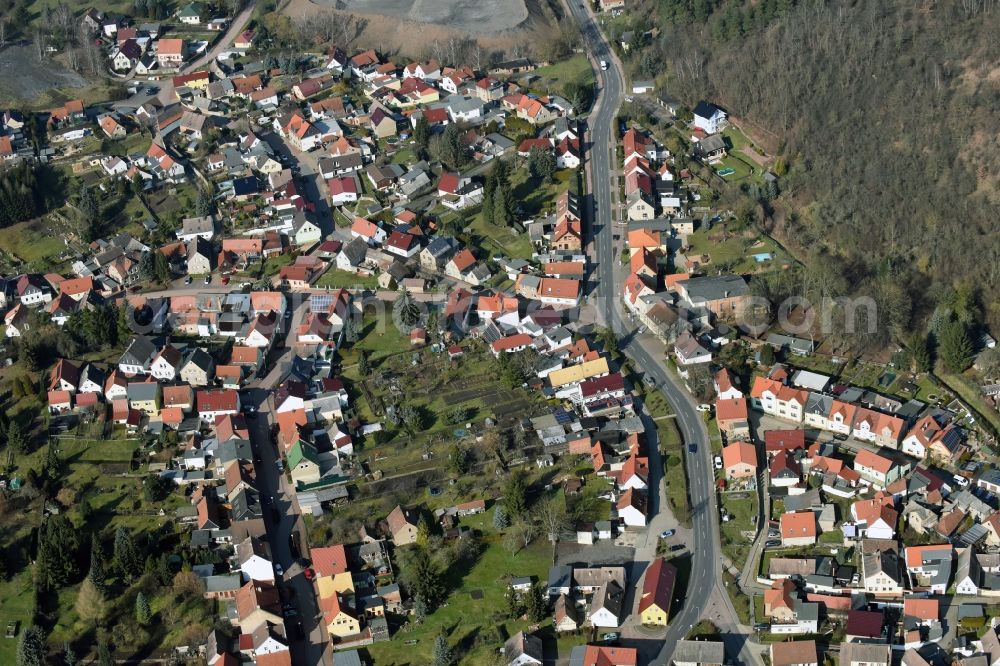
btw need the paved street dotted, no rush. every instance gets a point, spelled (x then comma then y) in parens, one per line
(648, 355)
(314, 647)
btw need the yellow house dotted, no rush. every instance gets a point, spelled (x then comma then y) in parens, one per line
(338, 621)
(657, 593)
(341, 583)
(144, 397)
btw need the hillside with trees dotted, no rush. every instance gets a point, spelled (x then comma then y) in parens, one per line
(884, 115)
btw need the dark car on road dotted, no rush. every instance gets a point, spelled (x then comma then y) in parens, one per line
(692, 448)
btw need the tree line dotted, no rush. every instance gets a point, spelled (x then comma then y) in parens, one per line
(21, 195)
(885, 121)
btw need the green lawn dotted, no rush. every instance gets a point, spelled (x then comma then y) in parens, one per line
(742, 169)
(405, 155)
(340, 218)
(463, 618)
(742, 507)
(574, 69)
(741, 602)
(31, 242)
(734, 252)
(336, 278)
(714, 435)
(381, 338)
(16, 605)
(971, 396)
(672, 449)
(534, 197)
(132, 143)
(273, 265)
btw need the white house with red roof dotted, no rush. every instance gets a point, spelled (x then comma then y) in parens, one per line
(368, 231)
(342, 190)
(402, 244)
(725, 385)
(212, 404)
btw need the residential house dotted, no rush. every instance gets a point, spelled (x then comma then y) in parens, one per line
(798, 528)
(657, 593)
(699, 652)
(632, 508)
(166, 364)
(877, 470)
(733, 417)
(136, 358)
(402, 525)
(197, 227)
(929, 567)
(709, 118)
(339, 622)
(739, 459)
(170, 52)
(606, 605)
(725, 385)
(198, 368)
(212, 404)
(880, 571)
(200, 257)
(875, 518)
(144, 397)
(523, 649)
(865, 654)
(794, 653)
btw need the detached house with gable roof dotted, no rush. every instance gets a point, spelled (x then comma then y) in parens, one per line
(877, 470)
(402, 525)
(657, 593)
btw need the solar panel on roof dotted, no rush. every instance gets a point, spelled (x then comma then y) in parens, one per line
(563, 417)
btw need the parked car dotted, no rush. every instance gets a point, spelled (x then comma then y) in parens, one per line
(208, 279)
(611, 636)
(773, 543)
(718, 462)
(677, 546)
(278, 569)
(188, 280)
(649, 379)
(666, 534)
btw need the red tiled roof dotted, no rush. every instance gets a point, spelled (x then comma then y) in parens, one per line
(658, 585)
(798, 524)
(329, 560)
(732, 409)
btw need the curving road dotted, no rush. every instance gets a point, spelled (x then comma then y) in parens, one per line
(706, 547)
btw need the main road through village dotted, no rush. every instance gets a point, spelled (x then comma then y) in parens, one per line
(704, 578)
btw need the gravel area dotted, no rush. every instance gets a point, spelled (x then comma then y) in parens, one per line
(24, 77)
(467, 15)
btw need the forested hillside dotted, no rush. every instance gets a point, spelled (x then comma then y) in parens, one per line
(887, 114)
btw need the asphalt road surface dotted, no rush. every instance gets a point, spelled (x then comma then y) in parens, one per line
(705, 548)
